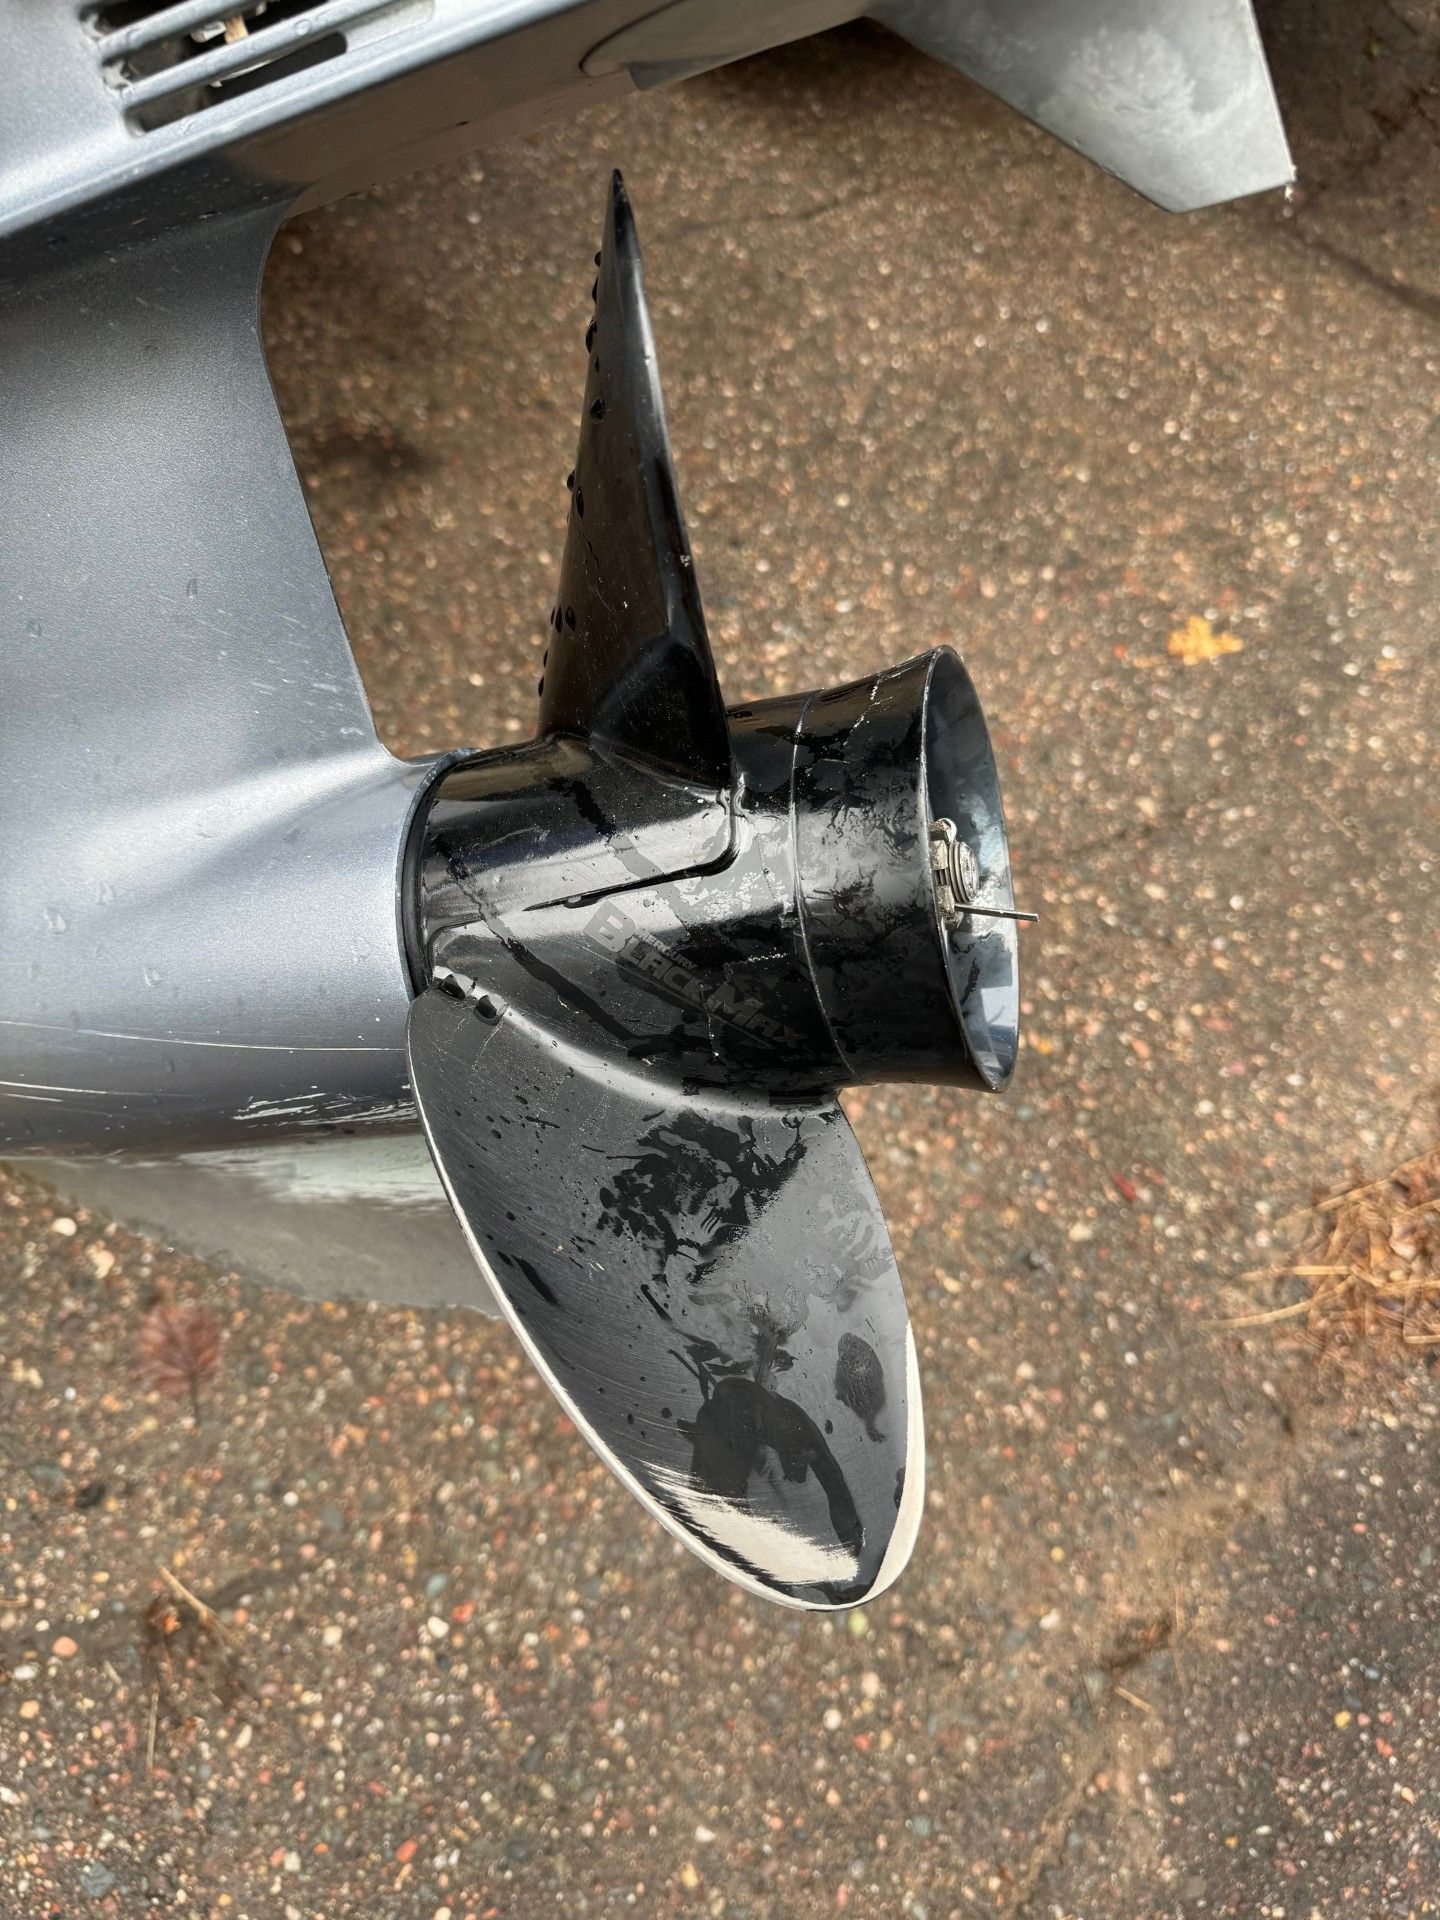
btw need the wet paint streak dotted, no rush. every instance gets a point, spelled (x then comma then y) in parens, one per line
(537, 1281)
(860, 1381)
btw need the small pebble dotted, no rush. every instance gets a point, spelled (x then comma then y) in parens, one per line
(64, 1226)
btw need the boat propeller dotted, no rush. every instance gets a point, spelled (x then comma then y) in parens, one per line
(649, 947)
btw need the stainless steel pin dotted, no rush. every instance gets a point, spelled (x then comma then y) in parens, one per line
(1000, 913)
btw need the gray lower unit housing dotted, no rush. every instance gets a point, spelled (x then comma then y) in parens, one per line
(200, 834)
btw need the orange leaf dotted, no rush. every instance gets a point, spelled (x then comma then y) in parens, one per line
(1197, 640)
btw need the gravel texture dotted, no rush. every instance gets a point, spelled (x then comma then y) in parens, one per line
(1165, 1646)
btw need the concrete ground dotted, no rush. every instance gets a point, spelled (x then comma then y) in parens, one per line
(1165, 1645)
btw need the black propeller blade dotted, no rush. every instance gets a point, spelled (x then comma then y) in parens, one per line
(708, 1288)
(655, 943)
(630, 661)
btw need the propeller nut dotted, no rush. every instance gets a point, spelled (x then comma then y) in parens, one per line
(956, 870)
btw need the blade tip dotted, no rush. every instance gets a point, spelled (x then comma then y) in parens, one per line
(619, 218)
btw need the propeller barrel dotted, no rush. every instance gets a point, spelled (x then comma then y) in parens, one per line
(813, 951)
(910, 991)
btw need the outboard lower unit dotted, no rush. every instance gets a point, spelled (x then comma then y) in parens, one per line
(623, 970)
(649, 948)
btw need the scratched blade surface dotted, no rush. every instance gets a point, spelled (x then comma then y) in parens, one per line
(707, 1286)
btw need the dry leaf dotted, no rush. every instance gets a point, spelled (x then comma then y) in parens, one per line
(1370, 1265)
(178, 1349)
(1197, 640)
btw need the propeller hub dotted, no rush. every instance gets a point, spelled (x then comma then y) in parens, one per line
(957, 871)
